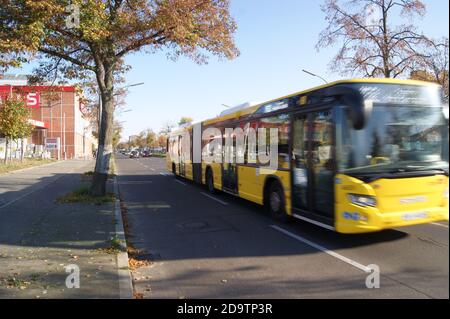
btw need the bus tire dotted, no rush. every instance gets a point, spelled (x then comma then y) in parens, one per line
(276, 202)
(210, 181)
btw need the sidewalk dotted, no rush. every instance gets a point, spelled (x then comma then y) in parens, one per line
(18, 166)
(39, 237)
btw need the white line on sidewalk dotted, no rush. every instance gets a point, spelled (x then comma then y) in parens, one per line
(34, 190)
(323, 249)
(441, 225)
(216, 199)
(180, 182)
(25, 195)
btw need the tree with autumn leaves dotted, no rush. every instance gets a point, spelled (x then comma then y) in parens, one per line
(14, 124)
(434, 67)
(105, 31)
(371, 43)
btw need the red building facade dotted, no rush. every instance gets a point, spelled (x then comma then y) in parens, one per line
(56, 112)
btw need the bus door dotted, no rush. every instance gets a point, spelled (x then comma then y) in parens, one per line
(229, 169)
(313, 166)
(181, 155)
(197, 153)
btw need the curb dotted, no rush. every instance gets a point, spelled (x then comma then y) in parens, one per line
(125, 281)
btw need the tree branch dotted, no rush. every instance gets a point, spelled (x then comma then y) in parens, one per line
(67, 57)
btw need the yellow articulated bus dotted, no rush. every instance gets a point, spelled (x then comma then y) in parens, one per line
(352, 156)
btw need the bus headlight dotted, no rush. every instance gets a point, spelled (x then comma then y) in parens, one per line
(362, 200)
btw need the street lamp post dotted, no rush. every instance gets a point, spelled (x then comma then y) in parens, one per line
(100, 101)
(99, 110)
(315, 75)
(124, 111)
(131, 85)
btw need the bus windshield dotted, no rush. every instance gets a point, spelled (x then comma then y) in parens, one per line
(397, 138)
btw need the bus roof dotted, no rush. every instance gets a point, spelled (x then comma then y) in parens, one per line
(253, 108)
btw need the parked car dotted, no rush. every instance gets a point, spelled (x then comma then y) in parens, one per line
(146, 154)
(134, 154)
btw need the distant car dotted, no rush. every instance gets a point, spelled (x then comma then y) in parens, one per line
(134, 154)
(146, 154)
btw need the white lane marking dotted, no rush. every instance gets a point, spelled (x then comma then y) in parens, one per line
(152, 169)
(213, 198)
(166, 174)
(313, 222)
(323, 249)
(438, 224)
(180, 182)
(134, 182)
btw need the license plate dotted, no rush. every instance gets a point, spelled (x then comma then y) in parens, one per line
(414, 216)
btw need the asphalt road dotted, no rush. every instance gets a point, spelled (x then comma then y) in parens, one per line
(204, 246)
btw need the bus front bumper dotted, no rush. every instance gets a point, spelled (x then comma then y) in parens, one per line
(380, 221)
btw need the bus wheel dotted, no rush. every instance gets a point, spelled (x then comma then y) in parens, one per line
(276, 203)
(210, 182)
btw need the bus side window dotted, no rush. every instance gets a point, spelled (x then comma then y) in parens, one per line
(281, 123)
(250, 149)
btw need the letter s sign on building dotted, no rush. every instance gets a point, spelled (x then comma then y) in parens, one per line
(33, 100)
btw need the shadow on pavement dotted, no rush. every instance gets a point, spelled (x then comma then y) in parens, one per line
(40, 237)
(165, 217)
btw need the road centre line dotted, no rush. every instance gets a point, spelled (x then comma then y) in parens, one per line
(323, 249)
(213, 198)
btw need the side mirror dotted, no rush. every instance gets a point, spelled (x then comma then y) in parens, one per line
(359, 110)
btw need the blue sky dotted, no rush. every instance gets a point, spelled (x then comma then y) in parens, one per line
(276, 38)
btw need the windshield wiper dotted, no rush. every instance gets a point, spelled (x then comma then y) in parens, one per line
(424, 168)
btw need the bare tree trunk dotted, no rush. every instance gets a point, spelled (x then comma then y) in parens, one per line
(6, 149)
(21, 151)
(10, 150)
(104, 151)
(385, 50)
